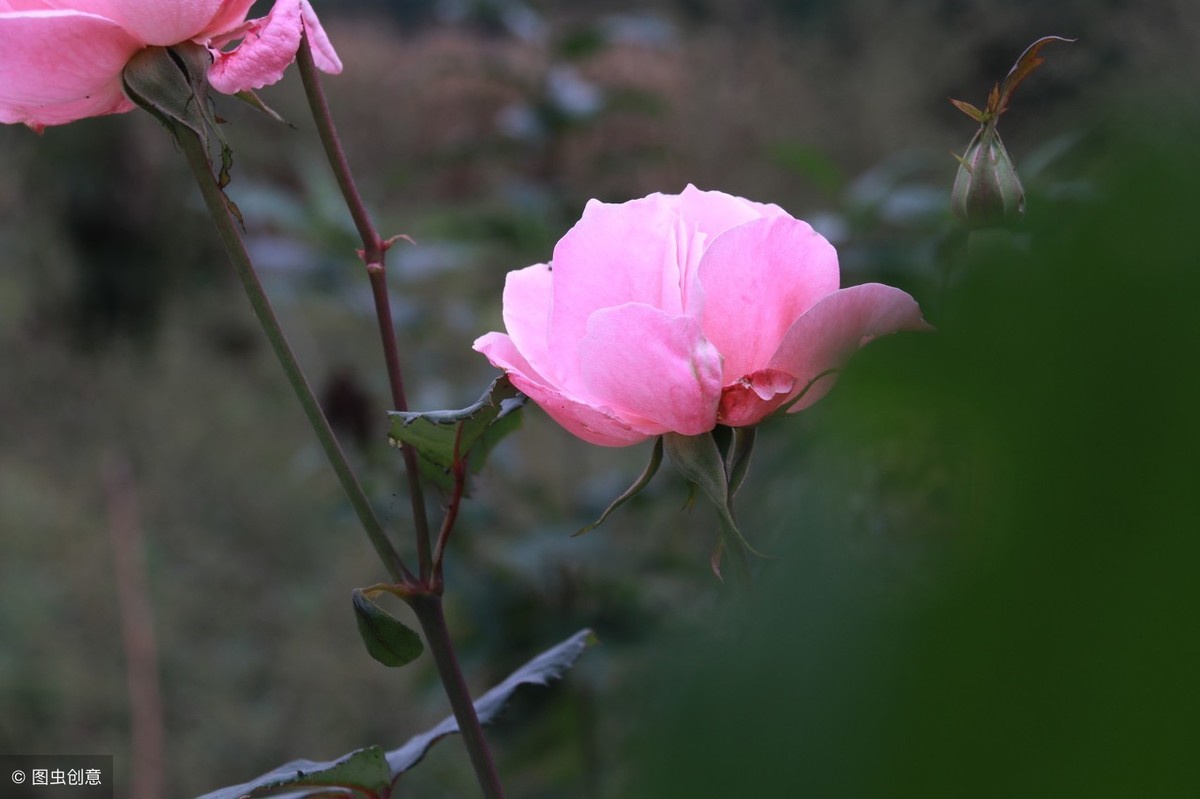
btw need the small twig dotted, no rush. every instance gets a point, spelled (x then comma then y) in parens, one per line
(460, 481)
(137, 630)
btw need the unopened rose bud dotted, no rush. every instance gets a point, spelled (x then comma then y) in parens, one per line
(987, 190)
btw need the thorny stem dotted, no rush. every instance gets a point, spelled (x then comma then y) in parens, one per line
(426, 600)
(373, 251)
(198, 158)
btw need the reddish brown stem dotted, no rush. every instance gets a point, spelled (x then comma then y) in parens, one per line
(373, 251)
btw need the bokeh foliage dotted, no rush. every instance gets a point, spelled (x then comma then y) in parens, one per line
(1046, 649)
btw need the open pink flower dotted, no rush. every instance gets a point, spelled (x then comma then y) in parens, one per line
(676, 313)
(61, 60)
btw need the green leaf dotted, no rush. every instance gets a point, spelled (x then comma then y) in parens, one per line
(656, 456)
(388, 640)
(550, 665)
(443, 439)
(370, 770)
(365, 769)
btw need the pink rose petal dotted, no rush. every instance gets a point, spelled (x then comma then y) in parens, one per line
(836, 327)
(528, 295)
(60, 66)
(231, 15)
(679, 313)
(324, 56)
(647, 365)
(593, 424)
(714, 212)
(267, 48)
(754, 397)
(159, 23)
(61, 60)
(758, 278)
(614, 255)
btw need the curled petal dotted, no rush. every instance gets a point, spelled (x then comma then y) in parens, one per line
(835, 328)
(754, 397)
(324, 56)
(60, 66)
(596, 425)
(647, 365)
(758, 279)
(268, 47)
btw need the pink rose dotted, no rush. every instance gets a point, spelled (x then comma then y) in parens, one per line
(61, 60)
(676, 313)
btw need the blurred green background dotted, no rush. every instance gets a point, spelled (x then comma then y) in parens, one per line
(983, 541)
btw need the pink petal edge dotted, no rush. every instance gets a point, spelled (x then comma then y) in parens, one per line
(324, 56)
(595, 425)
(835, 328)
(758, 279)
(528, 295)
(269, 46)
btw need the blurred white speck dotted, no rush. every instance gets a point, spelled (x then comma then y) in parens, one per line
(572, 94)
(832, 226)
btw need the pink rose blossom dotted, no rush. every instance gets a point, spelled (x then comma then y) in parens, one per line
(61, 60)
(676, 313)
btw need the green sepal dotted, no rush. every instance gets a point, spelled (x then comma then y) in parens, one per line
(171, 83)
(698, 459)
(737, 458)
(656, 457)
(388, 639)
(970, 110)
(251, 99)
(446, 439)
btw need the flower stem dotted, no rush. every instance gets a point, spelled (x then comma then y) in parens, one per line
(372, 254)
(198, 159)
(426, 602)
(428, 608)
